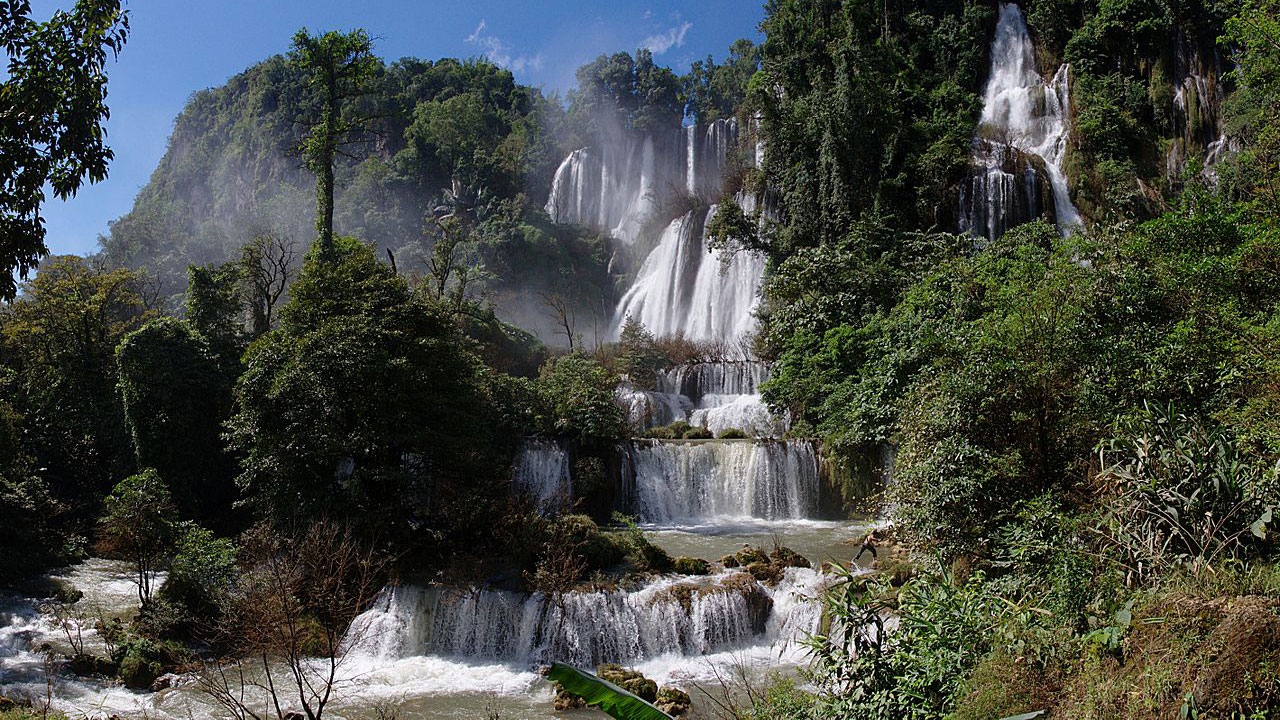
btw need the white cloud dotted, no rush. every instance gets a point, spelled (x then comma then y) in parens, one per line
(664, 41)
(500, 53)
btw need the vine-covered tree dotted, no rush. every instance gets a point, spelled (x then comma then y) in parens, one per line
(340, 67)
(176, 397)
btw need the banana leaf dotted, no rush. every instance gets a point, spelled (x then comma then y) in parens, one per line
(610, 698)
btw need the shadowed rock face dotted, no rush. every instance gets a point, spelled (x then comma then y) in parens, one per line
(1007, 188)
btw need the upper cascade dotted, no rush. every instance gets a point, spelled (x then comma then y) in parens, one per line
(686, 287)
(621, 186)
(1021, 140)
(1198, 97)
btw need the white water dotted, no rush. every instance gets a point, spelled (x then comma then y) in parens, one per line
(1021, 113)
(700, 481)
(614, 189)
(685, 287)
(714, 395)
(621, 185)
(589, 628)
(542, 472)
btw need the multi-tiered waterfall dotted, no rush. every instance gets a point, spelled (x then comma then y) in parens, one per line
(1021, 143)
(718, 396)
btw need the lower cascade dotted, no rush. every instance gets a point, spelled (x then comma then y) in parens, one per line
(668, 616)
(674, 481)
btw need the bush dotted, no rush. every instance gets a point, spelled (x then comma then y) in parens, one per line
(731, 434)
(589, 478)
(579, 392)
(647, 556)
(141, 660)
(202, 570)
(597, 548)
(690, 566)
(914, 671)
(697, 433)
(1183, 494)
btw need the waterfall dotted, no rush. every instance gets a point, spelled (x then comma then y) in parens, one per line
(542, 472)
(620, 185)
(614, 189)
(714, 395)
(683, 286)
(1022, 137)
(686, 288)
(696, 482)
(677, 615)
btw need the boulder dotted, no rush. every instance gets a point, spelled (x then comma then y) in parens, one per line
(673, 701)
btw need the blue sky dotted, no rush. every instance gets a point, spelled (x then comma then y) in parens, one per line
(180, 46)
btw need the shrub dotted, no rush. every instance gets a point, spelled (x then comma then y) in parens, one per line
(731, 434)
(647, 556)
(915, 670)
(1182, 494)
(691, 566)
(202, 570)
(697, 433)
(142, 660)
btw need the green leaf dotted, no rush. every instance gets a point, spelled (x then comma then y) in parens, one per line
(1025, 716)
(610, 698)
(1259, 526)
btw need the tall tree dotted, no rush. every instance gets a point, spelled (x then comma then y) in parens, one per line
(52, 106)
(340, 66)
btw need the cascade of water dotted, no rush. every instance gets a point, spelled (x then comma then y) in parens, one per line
(686, 288)
(696, 482)
(1022, 136)
(542, 472)
(616, 188)
(714, 395)
(719, 378)
(669, 616)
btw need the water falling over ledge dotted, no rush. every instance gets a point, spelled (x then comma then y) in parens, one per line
(1021, 141)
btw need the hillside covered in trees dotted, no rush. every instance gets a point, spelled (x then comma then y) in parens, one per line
(922, 361)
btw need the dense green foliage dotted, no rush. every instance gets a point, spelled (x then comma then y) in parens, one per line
(365, 405)
(60, 375)
(1090, 421)
(52, 109)
(175, 401)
